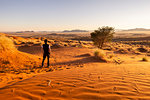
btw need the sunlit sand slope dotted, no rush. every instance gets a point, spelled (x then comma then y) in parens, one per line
(91, 82)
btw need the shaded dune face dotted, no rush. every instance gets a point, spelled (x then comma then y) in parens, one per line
(31, 49)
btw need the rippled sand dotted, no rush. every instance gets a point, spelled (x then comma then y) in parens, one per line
(90, 82)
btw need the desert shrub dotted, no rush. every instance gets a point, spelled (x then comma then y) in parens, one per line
(111, 56)
(96, 53)
(100, 55)
(148, 54)
(144, 59)
(30, 42)
(6, 44)
(2, 71)
(22, 43)
(102, 35)
(137, 52)
(6, 62)
(142, 49)
(36, 44)
(122, 51)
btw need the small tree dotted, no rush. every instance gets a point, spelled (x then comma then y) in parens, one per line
(102, 35)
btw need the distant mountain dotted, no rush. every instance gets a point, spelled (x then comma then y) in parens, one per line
(77, 30)
(24, 31)
(137, 29)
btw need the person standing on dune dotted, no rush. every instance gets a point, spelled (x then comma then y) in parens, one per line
(46, 53)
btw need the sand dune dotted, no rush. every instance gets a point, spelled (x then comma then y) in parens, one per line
(91, 82)
(75, 74)
(83, 78)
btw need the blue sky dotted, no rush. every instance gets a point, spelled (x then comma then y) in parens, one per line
(53, 15)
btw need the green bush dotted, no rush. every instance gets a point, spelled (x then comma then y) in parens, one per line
(102, 35)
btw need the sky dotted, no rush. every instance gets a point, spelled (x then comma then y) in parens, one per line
(58, 15)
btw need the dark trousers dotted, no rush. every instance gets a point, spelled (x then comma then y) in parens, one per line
(44, 56)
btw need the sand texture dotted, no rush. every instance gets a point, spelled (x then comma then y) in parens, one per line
(80, 77)
(121, 71)
(91, 82)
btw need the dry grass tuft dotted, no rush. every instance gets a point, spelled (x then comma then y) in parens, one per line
(111, 56)
(14, 59)
(6, 44)
(144, 59)
(142, 49)
(100, 55)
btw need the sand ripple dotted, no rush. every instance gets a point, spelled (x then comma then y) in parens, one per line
(92, 82)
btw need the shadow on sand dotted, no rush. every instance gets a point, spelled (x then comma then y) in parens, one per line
(84, 55)
(89, 59)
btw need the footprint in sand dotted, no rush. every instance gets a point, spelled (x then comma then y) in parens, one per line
(49, 82)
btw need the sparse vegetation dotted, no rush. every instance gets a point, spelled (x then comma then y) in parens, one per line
(12, 58)
(99, 54)
(6, 44)
(142, 49)
(144, 59)
(111, 56)
(102, 35)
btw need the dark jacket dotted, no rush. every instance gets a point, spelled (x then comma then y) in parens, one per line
(46, 48)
